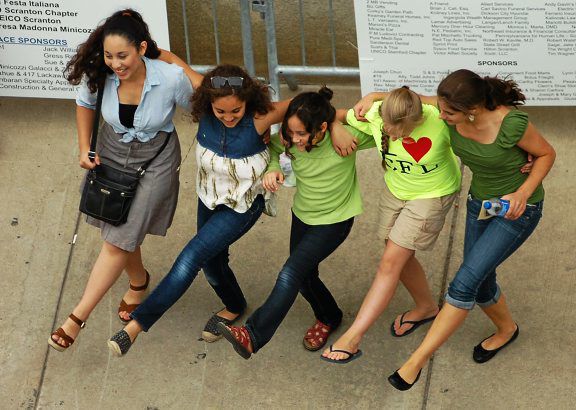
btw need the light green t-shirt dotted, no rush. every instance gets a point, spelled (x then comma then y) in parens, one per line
(425, 168)
(327, 189)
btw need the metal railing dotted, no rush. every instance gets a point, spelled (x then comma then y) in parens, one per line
(246, 27)
(276, 71)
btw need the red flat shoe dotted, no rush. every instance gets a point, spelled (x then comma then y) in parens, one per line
(239, 337)
(317, 336)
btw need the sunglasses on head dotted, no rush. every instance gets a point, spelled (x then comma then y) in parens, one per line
(233, 82)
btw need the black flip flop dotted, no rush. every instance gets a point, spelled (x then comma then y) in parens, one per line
(415, 324)
(351, 356)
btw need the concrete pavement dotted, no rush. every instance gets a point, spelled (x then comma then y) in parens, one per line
(170, 368)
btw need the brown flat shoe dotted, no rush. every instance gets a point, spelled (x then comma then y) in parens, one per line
(68, 341)
(125, 307)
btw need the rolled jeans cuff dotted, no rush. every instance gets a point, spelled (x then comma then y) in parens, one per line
(141, 321)
(458, 303)
(492, 301)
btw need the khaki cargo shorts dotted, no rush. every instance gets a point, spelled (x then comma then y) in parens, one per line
(413, 224)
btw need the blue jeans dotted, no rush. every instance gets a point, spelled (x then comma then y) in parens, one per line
(309, 245)
(217, 230)
(487, 243)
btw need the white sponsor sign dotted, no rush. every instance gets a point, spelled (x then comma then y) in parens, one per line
(418, 42)
(37, 39)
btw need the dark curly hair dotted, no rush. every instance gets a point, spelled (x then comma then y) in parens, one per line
(89, 58)
(313, 109)
(463, 90)
(253, 93)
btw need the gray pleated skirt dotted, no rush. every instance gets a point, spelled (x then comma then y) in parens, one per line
(156, 198)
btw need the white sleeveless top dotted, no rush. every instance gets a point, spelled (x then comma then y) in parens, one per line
(228, 181)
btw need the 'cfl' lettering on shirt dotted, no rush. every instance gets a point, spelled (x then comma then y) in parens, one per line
(407, 167)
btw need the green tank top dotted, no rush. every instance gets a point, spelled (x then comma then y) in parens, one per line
(496, 167)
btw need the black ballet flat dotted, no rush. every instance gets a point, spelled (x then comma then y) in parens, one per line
(481, 355)
(399, 383)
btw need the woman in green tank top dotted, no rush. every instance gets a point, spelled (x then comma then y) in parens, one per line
(493, 139)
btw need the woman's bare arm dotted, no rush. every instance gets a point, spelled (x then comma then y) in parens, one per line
(171, 58)
(544, 155)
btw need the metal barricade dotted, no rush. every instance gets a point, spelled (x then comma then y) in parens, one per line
(276, 71)
(246, 27)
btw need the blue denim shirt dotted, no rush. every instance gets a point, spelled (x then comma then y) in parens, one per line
(238, 142)
(165, 86)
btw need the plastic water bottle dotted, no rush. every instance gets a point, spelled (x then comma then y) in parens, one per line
(497, 206)
(286, 166)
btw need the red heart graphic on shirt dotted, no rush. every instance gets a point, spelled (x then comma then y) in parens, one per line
(417, 149)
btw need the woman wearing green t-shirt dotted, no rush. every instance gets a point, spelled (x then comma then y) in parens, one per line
(493, 139)
(422, 177)
(325, 204)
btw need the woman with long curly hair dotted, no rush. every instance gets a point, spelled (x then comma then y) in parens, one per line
(140, 94)
(233, 112)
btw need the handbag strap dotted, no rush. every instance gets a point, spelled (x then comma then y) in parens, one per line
(92, 152)
(144, 167)
(93, 139)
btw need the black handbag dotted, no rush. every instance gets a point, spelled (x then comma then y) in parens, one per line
(108, 191)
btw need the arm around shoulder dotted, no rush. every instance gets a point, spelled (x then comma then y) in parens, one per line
(343, 141)
(171, 58)
(366, 102)
(274, 116)
(341, 114)
(429, 99)
(365, 140)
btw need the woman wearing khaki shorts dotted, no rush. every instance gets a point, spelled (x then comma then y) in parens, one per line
(422, 179)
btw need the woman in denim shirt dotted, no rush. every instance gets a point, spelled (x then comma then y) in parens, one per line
(493, 139)
(140, 95)
(234, 112)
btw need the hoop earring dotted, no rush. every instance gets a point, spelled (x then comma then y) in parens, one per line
(471, 118)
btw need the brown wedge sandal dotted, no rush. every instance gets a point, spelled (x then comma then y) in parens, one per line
(68, 341)
(125, 307)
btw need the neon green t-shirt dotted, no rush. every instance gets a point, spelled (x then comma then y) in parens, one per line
(327, 189)
(424, 168)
